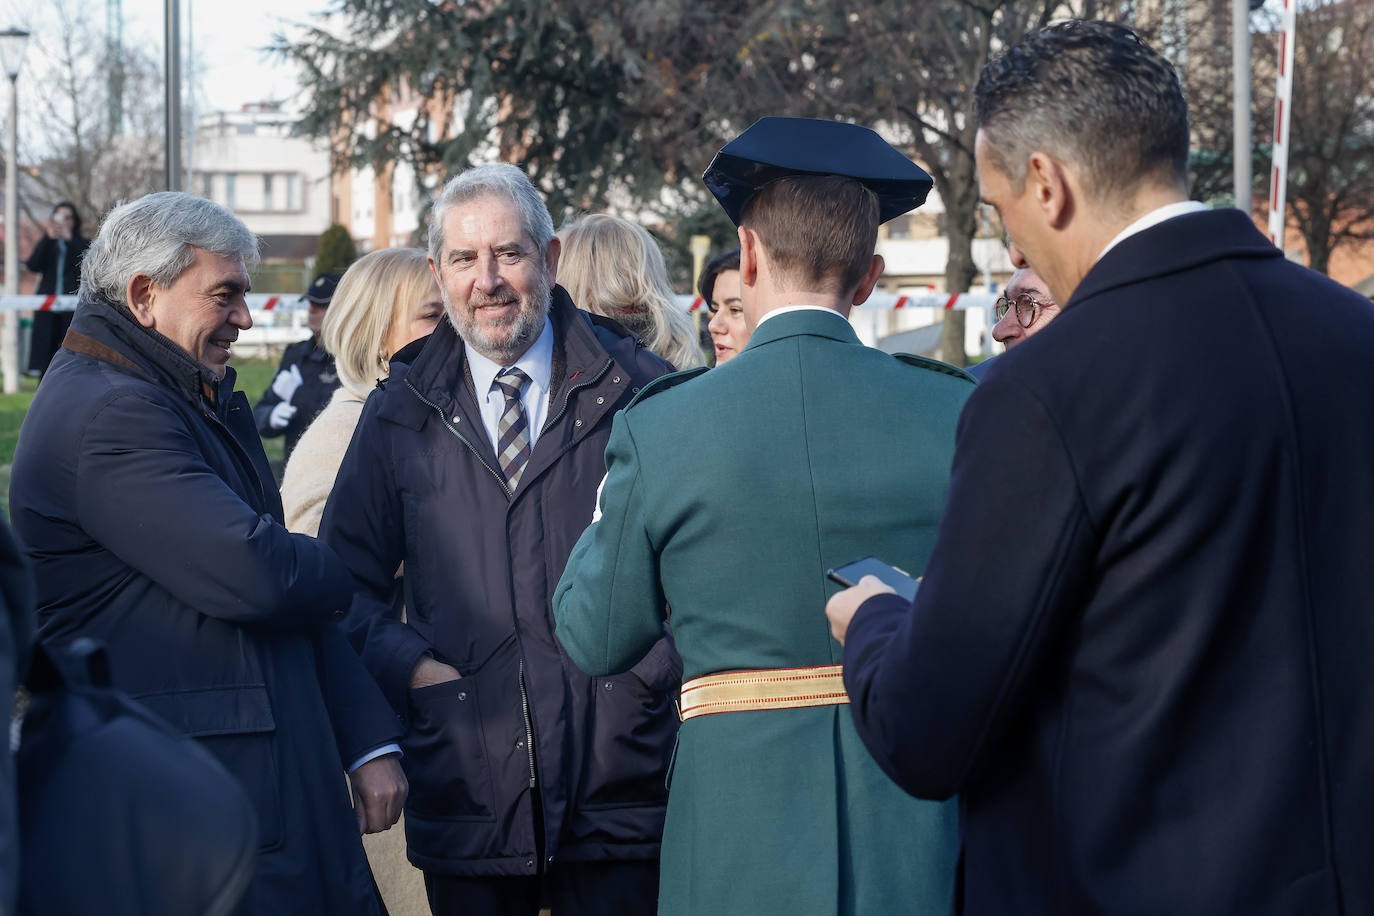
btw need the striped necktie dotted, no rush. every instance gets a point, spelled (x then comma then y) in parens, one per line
(513, 429)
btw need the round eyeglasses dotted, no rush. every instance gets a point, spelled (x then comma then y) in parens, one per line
(1027, 308)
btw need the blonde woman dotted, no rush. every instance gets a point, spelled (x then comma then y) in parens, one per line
(613, 267)
(385, 300)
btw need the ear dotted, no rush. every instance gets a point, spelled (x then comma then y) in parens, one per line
(748, 257)
(551, 255)
(1050, 183)
(870, 280)
(434, 269)
(140, 295)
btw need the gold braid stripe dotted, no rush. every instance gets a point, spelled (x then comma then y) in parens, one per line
(770, 688)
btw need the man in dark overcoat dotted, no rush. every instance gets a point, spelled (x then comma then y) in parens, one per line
(476, 465)
(142, 498)
(1147, 614)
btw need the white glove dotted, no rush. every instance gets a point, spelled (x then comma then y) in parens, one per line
(286, 383)
(281, 414)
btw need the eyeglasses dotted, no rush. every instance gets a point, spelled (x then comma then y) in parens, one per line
(1027, 308)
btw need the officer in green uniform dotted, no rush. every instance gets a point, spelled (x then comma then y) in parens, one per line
(728, 494)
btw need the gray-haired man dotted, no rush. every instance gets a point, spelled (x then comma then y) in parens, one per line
(477, 465)
(143, 499)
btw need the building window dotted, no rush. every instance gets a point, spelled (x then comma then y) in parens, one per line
(899, 227)
(207, 185)
(267, 202)
(229, 190)
(293, 192)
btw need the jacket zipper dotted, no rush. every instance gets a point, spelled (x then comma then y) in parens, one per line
(575, 388)
(243, 456)
(529, 726)
(443, 418)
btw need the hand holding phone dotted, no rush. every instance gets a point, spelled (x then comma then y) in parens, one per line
(899, 580)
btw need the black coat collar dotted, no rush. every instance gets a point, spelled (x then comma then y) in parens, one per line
(157, 358)
(1177, 244)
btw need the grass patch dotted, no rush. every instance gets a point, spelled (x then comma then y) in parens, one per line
(254, 375)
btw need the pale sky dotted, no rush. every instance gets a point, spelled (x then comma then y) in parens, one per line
(224, 36)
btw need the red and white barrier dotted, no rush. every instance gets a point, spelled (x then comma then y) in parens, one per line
(1283, 117)
(282, 302)
(887, 301)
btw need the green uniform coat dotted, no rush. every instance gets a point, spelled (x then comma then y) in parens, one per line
(728, 494)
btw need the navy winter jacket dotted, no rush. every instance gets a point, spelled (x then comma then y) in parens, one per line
(421, 484)
(143, 500)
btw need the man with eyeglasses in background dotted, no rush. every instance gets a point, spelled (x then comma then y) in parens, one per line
(1024, 308)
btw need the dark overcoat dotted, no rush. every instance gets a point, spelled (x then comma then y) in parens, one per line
(728, 495)
(1147, 618)
(143, 500)
(419, 484)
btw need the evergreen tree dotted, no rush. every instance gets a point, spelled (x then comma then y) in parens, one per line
(337, 251)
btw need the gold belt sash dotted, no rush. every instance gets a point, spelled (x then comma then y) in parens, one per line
(768, 688)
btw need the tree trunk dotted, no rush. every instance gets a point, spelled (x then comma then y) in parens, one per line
(960, 195)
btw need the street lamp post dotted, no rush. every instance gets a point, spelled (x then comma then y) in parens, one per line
(12, 43)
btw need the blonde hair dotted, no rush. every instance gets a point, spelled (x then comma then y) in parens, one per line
(373, 294)
(610, 264)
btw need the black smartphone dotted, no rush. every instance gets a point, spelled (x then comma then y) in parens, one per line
(850, 573)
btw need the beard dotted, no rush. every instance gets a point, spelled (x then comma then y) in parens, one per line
(506, 342)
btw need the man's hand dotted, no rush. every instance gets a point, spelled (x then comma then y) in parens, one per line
(286, 382)
(281, 415)
(379, 793)
(431, 671)
(842, 605)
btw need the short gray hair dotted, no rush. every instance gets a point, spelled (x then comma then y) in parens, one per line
(156, 236)
(497, 179)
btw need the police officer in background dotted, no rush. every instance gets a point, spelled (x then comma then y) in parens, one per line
(306, 380)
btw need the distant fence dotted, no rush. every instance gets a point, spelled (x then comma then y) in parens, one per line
(290, 302)
(279, 318)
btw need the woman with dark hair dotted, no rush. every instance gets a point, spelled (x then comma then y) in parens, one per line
(56, 258)
(720, 287)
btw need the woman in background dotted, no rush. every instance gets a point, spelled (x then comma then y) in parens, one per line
(613, 267)
(384, 301)
(720, 289)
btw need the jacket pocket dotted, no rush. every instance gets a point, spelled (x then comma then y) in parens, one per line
(446, 754)
(237, 726)
(634, 727)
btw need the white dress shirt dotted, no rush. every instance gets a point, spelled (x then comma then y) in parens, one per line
(783, 310)
(537, 363)
(1154, 218)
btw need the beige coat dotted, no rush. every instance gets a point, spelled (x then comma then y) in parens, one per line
(305, 489)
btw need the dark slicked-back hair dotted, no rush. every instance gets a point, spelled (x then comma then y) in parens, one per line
(1091, 93)
(706, 283)
(820, 231)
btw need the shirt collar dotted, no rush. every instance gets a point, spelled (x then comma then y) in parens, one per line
(536, 362)
(1154, 218)
(795, 308)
